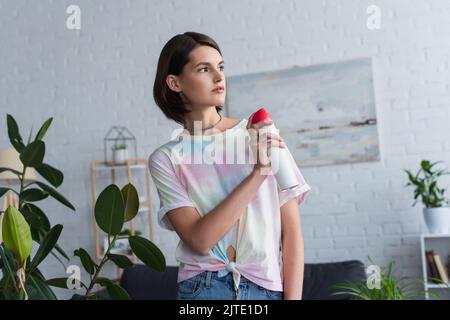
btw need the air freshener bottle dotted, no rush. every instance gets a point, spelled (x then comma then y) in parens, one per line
(280, 158)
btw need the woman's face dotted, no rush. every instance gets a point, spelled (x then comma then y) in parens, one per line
(203, 73)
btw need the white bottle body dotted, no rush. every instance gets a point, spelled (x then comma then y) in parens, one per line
(281, 163)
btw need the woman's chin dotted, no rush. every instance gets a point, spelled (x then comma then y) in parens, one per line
(219, 100)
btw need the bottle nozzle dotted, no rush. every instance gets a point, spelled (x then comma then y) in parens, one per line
(260, 115)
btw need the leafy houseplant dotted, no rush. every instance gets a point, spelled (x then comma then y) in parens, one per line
(382, 286)
(21, 277)
(436, 211)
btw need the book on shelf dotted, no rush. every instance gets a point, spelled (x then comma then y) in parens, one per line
(440, 267)
(432, 268)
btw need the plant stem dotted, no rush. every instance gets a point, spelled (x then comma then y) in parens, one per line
(100, 266)
(22, 178)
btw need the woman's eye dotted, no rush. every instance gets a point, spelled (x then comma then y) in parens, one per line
(206, 68)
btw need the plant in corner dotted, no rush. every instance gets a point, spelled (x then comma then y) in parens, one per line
(382, 285)
(436, 211)
(28, 222)
(21, 277)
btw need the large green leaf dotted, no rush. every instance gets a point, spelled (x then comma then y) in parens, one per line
(8, 288)
(86, 260)
(32, 195)
(57, 282)
(47, 245)
(40, 225)
(16, 234)
(43, 129)
(120, 260)
(8, 266)
(148, 252)
(131, 201)
(115, 291)
(55, 194)
(35, 217)
(33, 154)
(37, 289)
(39, 234)
(60, 282)
(51, 174)
(14, 134)
(109, 210)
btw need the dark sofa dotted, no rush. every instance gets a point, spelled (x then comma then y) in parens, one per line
(143, 283)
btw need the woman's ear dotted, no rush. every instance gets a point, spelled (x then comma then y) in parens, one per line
(172, 83)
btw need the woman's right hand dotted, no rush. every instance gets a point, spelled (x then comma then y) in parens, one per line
(261, 144)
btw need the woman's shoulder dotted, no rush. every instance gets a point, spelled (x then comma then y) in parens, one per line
(232, 123)
(161, 153)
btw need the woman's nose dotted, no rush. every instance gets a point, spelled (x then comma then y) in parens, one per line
(218, 76)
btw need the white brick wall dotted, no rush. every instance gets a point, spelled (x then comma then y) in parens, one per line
(102, 75)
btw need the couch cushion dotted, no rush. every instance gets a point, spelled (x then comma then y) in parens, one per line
(143, 283)
(320, 277)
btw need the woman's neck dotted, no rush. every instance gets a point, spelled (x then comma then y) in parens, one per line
(201, 122)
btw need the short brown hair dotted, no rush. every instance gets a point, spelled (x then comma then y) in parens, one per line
(174, 56)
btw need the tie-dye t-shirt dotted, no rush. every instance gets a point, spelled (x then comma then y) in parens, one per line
(184, 176)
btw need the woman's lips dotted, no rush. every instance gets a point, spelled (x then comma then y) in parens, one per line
(218, 91)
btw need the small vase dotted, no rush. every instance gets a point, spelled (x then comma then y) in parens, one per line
(437, 219)
(120, 156)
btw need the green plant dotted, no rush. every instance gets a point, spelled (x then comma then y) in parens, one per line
(121, 146)
(21, 277)
(383, 285)
(31, 155)
(113, 208)
(425, 183)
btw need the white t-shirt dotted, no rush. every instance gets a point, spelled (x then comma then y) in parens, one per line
(256, 237)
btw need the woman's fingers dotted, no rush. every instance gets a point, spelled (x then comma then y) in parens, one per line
(259, 124)
(275, 143)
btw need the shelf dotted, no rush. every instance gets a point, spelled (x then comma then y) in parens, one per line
(432, 235)
(437, 286)
(440, 244)
(121, 166)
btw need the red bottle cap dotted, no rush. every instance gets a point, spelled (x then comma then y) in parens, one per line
(260, 115)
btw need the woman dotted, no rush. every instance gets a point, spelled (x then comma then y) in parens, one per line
(240, 235)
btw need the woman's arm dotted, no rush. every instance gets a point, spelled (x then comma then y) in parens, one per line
(202, 233)
(293, 250)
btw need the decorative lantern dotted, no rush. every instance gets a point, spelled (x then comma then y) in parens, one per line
(119, 141)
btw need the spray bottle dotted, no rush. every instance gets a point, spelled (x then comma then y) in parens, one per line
(280, 158)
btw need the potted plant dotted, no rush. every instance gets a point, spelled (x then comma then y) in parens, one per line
(437, 211)
(120, 153)
(383, 284)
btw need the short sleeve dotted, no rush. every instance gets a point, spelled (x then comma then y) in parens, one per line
(299, 192)
(172, 194)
